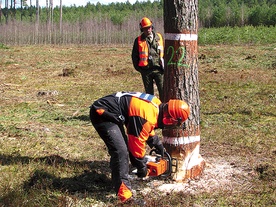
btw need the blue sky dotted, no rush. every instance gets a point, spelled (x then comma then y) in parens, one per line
(72, 2)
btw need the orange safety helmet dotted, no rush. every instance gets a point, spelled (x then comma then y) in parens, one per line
(145, 22)
(178, 110)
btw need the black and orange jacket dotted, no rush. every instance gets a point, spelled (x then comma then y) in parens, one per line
(143, 49)
(141, 117)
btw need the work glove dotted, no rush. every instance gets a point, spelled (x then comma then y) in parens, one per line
(143, 172)
(160, 149)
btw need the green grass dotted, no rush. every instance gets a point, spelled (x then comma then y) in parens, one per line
(237, 35)
(50, 155)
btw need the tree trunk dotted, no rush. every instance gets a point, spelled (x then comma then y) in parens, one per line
(21, 9)
(52, 21)
(181, 82)
(0, 11)
(6, 11)
(37, 22)
(48, 9)
(60, 22)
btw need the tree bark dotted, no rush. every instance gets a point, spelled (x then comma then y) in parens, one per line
(0, 10)
(6, 14)
(37, 22)
(60, 21)
(181, 82)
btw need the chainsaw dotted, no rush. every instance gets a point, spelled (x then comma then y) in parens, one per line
(160, 166)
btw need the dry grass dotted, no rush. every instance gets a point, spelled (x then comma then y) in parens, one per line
(50, 154)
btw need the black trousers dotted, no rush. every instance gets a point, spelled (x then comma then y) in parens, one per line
(115, 139)
(149, 76)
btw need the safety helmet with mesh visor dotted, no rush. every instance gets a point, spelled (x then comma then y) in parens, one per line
(145, 22)
(178, 110)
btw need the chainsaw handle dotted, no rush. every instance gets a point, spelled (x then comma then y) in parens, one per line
(155, 151)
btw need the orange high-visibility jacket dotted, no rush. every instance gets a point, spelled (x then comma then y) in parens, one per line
(140, 111)
(143, 119)
(144, 50)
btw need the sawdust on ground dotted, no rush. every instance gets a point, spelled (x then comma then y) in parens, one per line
(218, 174)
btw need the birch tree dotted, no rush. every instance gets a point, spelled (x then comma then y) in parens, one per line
(0, 11)
(37, 21)
(60, 19)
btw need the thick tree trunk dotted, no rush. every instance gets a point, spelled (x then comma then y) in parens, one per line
(181, 82)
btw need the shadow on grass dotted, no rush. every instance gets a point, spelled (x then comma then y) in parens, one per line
(80, 118)
(88, 182)
(54, 160)
(93, 181)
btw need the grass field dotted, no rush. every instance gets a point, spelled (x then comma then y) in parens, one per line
(50, 155)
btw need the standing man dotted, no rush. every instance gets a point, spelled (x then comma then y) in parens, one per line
(141, 114)
(147, 57)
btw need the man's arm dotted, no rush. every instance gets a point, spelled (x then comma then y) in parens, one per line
(135, 55)
(155, 142)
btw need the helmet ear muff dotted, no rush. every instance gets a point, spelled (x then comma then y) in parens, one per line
(170, 121)
(140, 26)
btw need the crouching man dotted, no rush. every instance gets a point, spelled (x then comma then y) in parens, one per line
(140, 113)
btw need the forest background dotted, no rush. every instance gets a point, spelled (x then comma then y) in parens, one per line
(243, 21)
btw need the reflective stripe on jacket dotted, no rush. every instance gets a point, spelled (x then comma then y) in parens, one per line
(144, 50)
